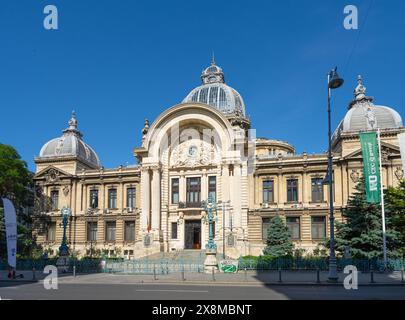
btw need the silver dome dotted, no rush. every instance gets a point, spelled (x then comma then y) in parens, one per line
(70, 144)
(216, 93)
(363, 115)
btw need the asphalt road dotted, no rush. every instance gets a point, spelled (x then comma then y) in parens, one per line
(36, 291)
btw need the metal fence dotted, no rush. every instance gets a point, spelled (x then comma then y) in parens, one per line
(166, 266)
(145, 266)
(290, 264)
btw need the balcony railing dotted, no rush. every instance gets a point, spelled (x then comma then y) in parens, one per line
(190, 205)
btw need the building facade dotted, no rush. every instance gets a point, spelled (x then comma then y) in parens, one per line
(205, 147)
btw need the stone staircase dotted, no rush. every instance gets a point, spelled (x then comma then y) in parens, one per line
(162, 263)
(177, 256)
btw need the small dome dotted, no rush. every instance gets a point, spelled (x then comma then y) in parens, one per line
(70, 144)
(363, 115)
(216, 93)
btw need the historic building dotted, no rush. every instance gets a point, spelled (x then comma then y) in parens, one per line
(205, 147)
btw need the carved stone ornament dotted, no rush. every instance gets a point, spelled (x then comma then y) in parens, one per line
(66, 191)
(384, 155)
(52, 176)
(355, 176)
(192, 153)
(399, 173)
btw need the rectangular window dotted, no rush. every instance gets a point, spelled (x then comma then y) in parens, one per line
(131, 198)
(92, 231)
(174, 230)
(112, 199)
(175, 190)
(55, 200)
(110, 228)
(265, 227)
(292, 190)
(193, 191)
(268, 191)
(318, 228)
(317, 189)
(293, 224)
(129, 231)
(212, 188)
(94, 199)
(51, 235)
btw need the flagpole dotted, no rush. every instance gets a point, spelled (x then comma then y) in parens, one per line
(382, 201)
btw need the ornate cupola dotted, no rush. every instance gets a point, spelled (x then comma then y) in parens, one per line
(70, 146)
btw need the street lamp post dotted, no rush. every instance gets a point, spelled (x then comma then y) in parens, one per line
(210, 263)
(64, 249)
(334, 82)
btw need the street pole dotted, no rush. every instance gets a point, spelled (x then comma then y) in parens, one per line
(382, 202)
(223, 230)
(334, 82)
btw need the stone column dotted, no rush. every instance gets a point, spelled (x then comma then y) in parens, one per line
(182, 187)
(204, 187)
(236, 194)
(145, 198)
(156, 199)
(225, 182)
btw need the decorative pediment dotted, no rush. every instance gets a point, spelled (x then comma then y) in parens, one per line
(388, 150)
(52, 175)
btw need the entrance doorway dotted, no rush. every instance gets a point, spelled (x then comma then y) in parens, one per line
(192, 236)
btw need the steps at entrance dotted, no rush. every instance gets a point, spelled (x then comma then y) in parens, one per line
(177, 256)
(162, 263)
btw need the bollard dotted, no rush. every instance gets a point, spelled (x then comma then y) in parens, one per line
(74, 271)
(372, 275)
(182, 274)
(245, 274)
(33, 274)
(154, 272)
(213, 274)
(279, 275)
(402, 275)
(318, 277)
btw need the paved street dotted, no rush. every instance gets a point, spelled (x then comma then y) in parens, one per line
(66, 290)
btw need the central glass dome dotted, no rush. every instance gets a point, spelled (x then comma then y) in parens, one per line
(216, 93)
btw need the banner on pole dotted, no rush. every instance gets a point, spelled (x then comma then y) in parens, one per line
(401, 138)
(11, 231)
(369, 147)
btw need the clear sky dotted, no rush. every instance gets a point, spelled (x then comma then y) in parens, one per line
(117, 62)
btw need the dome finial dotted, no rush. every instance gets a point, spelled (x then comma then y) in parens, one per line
(360, 91)
(213, 58)
(73, 121)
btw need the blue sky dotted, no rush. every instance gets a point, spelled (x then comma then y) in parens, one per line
(117, 62)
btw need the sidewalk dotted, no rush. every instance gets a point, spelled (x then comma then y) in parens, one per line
(241, 278)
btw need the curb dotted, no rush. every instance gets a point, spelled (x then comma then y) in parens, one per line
(18, 281)
(219, 283)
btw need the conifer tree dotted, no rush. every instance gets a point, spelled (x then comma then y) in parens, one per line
(361, 232)
(279, 242)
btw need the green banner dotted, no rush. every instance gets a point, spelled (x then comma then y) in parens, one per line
(369, 147)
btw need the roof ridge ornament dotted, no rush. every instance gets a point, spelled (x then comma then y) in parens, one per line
(73, 126)
(360, 97)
